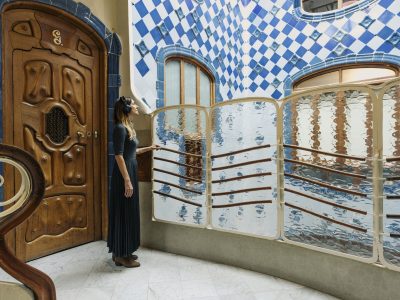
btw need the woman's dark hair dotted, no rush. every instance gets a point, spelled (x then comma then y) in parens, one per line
(122, 108)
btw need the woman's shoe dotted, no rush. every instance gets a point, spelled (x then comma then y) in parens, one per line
(126, 262)
(131, 256)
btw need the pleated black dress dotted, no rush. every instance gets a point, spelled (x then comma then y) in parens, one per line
(123, 213)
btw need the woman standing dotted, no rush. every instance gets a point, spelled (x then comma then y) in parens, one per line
(124, 217)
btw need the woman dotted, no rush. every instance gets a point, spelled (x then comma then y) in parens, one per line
(124, 222)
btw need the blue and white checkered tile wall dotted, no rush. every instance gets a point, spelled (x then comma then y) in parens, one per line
(210, 28)
(257, 47)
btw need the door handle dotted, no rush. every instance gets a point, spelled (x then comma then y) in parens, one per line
(96, 134)
(80, 134)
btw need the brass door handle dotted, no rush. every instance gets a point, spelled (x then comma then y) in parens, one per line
(80, 134)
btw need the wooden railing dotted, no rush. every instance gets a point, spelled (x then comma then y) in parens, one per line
(17, 210)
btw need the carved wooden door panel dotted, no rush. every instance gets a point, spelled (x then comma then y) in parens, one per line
(55, 79)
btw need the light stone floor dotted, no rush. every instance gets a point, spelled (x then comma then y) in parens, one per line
(87, 273)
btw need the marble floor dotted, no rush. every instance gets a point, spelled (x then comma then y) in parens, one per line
(87, 273)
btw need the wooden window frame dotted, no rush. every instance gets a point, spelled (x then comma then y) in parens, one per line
(199, 68)
(347, 67)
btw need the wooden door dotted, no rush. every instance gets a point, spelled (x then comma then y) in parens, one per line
(54, 68)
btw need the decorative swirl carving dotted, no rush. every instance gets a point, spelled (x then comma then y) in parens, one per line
(30, 194)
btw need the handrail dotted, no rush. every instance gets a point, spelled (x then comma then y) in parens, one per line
(240, 151)
(32, 180)
(325, 153)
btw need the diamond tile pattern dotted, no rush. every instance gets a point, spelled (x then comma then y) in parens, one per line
(205, 27)
(281, 45)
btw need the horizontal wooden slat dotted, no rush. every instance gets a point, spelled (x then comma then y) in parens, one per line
(242, 191)
(325, 168)
(326, 185)
(177, 198)
(242, 164)
(180, 152)
(177, 163)
(243, 203)
(242, 177)
(178, 186)
(327, 218)
(177, 175)
(240, 151)
(325, 153)
(325, 201)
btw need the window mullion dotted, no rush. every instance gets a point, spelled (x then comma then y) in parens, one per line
(182, 92)
(197, 85)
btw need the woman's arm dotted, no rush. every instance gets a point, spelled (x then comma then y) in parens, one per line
(124, 172)
(146, 149)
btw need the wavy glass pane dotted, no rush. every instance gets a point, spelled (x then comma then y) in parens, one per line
(244, 183)
(190, 83)
(391, 173)
(328, 191)
(179, 169)
(205, 90)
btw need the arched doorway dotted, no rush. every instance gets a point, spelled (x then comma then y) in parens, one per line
(55, 107)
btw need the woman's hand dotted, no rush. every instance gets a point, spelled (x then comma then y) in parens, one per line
(155, 147)
(128, 188)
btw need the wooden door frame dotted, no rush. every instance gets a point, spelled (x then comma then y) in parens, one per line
(109, 51)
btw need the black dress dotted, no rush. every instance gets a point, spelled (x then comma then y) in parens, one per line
(123, 213)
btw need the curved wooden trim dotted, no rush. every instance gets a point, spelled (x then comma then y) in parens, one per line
(178, 186)
(242, 177)
(177, 175)
(41, 284)
(177, 198)
(326, 185)
(242, 191)
(325, 153)
(178, 163)
(242, 164)
(180, 152)
(240, 151)
(327, 218)
(325, 168)
(243, 203)
(326, 202)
